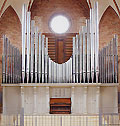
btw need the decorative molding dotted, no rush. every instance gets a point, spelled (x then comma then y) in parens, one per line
(61, 85)
(98, 90)
(116, 7)
(90, 5)
(3, 7)
(29, 6)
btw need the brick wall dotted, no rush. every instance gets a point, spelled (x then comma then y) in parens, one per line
(75, 10)
(42, 12)
(110, 25)
(11, 27)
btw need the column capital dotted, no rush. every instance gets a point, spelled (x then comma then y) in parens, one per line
(85, 90)
(72, 88)
(47, 87)
(34, 89)
(98, 90)
(22, 89)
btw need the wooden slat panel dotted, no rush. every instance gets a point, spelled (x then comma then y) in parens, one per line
(60, 46)
(60, 100)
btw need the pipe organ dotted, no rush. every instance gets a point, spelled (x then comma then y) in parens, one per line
(87, 83)
(88, 63)
(11, 63)
(108, 62)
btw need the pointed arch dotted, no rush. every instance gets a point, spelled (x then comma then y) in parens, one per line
(81, 3)
(75, 10)
(109, 9)
(116, 5)
(10, 26)
(109, 25)
(2, 6)
(11, 10)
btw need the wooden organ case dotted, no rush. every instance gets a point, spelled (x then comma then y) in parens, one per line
(60, 105)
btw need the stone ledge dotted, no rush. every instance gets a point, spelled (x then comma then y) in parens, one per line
(60, 85)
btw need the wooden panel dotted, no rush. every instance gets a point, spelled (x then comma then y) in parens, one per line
(60, 100)
(60, 105)
(60, 51)
(60, 46)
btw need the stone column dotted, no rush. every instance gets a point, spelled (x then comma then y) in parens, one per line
(47, 100)
(35, 99)
(4, 100)
(97, 99)
(72, 99)
(116, 100)
(85, 100)
(22, 97)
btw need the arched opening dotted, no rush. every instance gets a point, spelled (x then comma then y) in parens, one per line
(110, 25)
(10, 26)
(60, 45)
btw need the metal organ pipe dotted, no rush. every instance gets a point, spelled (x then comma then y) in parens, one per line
(87, 64)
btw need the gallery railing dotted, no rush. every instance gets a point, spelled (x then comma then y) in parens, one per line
(60, 120)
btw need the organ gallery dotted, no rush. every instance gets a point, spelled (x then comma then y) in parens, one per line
(60, 72)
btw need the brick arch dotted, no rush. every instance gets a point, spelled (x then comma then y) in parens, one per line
(110, 25)
(10, 26)
(76, 10)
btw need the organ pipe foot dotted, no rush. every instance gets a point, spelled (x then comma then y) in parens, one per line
(97, 74)
(88, 77)
(31, 77)
(92, 77)
(84, 77)
(23, 77)
(27, 77)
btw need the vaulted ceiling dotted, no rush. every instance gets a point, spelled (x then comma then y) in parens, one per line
(17, 5)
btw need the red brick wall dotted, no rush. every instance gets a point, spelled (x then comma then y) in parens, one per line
(110, 25)
(75, 10)
(10, 26)
(42, 12)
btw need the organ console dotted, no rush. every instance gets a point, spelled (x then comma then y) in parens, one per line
(60, 105)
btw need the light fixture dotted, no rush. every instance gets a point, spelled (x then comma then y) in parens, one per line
(59, 24)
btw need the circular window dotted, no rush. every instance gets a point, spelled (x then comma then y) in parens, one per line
(59, 24)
